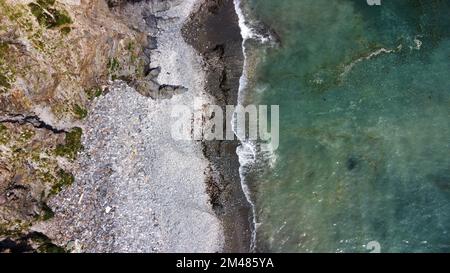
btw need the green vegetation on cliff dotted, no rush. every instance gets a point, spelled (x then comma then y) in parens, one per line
(31, 174)
(47, 15)
(65, 179)
(79, 111)
(72, 144)
(4, 135)
(6, 74)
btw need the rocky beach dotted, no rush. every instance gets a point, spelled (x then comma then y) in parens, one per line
(116, 180)
(114, 115)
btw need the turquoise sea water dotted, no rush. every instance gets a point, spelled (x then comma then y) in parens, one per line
(364, 95)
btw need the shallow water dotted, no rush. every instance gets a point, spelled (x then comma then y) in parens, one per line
(364, 95)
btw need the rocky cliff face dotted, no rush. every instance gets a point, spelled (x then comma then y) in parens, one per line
(55, 58)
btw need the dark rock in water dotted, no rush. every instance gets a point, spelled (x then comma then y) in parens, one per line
(351, 163)
(441, 181)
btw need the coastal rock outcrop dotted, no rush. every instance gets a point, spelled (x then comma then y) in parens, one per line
(55, 58)
(138, 189)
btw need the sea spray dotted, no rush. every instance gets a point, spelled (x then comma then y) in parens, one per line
(247, 151)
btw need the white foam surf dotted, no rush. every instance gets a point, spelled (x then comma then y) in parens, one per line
(247, 150)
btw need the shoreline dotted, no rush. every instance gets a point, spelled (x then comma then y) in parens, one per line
(219, 42)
